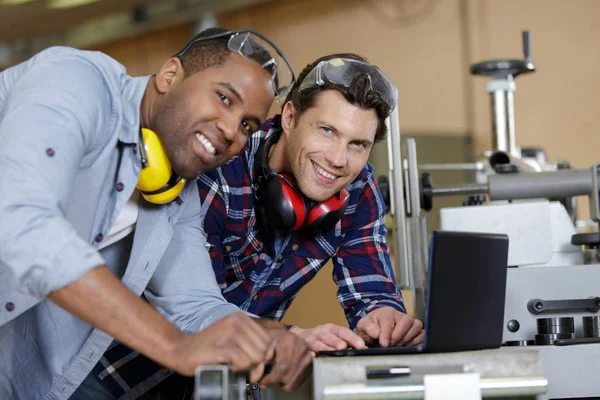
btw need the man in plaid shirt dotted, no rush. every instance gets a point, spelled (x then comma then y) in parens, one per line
(264, 250)
(300, 193)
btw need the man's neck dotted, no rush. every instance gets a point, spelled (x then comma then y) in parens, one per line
(150, 95)
(277, 155)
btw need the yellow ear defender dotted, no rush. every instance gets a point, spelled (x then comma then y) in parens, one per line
(158, 183)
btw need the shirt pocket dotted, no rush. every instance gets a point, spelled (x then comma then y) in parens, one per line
(240, 257)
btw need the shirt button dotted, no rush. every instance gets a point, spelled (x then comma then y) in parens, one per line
(228, 248)
(120, 187)
(295, 247)
(10, 306)
(255, 297)
(50, 152)
(99, 237)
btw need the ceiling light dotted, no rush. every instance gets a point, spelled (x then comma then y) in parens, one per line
(67, 3)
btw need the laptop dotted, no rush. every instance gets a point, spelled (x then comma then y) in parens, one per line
(465, 297)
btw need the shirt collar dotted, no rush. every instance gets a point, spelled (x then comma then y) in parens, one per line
(133, 90)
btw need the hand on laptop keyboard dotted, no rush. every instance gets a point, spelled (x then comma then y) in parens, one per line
(387, 326)
(329, 337)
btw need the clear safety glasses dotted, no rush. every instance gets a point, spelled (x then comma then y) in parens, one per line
(343, 71)
(254, 46)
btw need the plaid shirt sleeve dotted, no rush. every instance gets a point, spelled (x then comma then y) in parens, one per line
(212, 223)
(362, 267)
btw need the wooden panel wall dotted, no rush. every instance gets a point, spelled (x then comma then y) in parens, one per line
(146, 54)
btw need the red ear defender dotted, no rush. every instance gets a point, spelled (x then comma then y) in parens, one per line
(284, 205)
(324, 215)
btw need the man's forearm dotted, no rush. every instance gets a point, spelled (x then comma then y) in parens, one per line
(101, 300)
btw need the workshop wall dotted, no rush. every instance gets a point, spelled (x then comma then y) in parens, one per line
(146, 54)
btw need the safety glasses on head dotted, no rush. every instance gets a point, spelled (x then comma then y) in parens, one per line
(343, 71)
(254, 46)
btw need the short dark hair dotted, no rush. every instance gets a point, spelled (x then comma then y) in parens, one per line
(358, 94)
(198, 54)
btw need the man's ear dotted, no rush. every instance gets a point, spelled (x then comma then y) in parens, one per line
(169, 75)
(288, 117)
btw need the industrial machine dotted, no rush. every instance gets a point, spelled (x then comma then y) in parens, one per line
(553, 291)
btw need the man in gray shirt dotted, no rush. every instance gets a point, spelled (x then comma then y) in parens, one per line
(80, 141)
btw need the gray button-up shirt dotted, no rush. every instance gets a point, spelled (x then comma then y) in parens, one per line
(69, 128)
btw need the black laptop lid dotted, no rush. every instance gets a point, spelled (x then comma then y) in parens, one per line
(466, 291)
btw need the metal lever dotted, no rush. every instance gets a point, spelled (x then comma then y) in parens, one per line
(538, 306)
(254, 390)
(526, 45)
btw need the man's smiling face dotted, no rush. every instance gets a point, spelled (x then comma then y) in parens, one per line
(329, 144)
(205, 119)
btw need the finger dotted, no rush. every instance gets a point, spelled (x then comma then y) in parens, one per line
(290, 353)
(299, 374)
(419, 339)
(317, 346)
(415, 329)
(386, 328)
(257, 372)
(271, 350)
(239, 361)
(251, 341)
(254, 334)
(350, 337)
(278, 369)
(367, 329)
(403, 325)
(331, 339)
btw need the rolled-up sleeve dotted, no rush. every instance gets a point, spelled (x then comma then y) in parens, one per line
(48, 119)
(362, 267)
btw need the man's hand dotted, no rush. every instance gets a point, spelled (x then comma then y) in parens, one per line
(329, 337)
(390, 327)
(292, 357)
(236, 341)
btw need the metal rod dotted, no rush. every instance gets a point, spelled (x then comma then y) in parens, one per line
(395, 389)
(476, 166)
(397, 198)
(503, 115)
(550, 184)
(413, 197)
(553, 184)
(459, 190)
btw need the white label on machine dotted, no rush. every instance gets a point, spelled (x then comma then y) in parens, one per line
(464, 386)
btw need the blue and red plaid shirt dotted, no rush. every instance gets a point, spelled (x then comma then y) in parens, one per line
(261, 270)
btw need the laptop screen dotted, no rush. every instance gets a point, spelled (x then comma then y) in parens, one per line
(466, 291)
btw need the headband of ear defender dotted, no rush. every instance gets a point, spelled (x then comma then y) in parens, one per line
(282, 202)
(158, 183)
